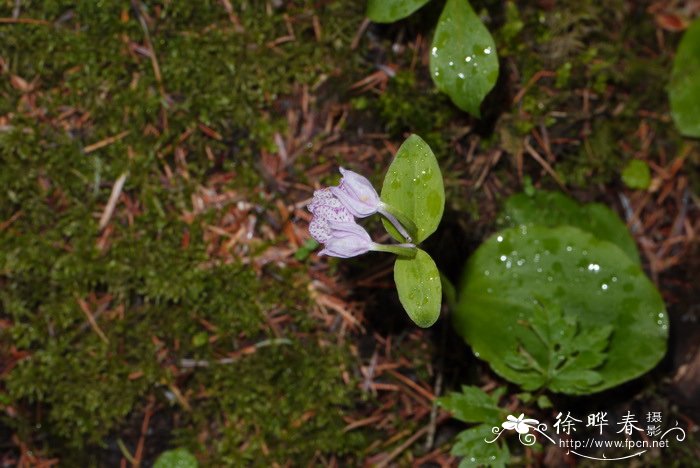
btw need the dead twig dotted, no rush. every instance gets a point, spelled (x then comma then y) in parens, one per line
(545, 165)
(91, 319)
(112, 202)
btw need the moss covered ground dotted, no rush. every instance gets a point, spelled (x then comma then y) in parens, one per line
(155, 291)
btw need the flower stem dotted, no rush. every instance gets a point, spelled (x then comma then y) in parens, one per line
(405, 225)
(402, 250)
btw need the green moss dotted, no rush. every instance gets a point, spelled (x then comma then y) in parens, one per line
(408, 107)
(586, 46)
(157, 299)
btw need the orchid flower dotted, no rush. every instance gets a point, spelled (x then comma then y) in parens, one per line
(520, 424)
(334, 226)
(358, 195)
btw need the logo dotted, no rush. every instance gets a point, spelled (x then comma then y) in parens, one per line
(566, 426)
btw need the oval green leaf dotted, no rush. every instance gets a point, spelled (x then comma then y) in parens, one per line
(591, 291)
(413, 185)
(684, 89)
(463, 60)
(419, 287)
(177, 458)
(636, 175)
(556, 209)
(388, 11)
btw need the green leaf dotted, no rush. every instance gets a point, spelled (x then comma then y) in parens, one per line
(636, 175)
(471, 444)
(305, 250)
(594, 284)
(684, 89)
(388, 11)
(420, 291)
(413, 185)
(473, 405)
(177, 458)
(556, 209)
(569, 354)
(463, 60)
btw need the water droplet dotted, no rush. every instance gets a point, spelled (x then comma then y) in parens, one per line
(604, 287)
(521, 262)
(487, 273)
(503, 258)
(539, 270)
(614, 279)
(468, 59)
(508, 264)
(569, 248)
(452, 64)
(499, 238)
(437, 73)
(435, 52)
(461, 75)
(487, 50)
(593, 267)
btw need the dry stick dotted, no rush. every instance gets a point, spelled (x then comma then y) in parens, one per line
(23, 21)
(107, 141)
(91, 319)
(545, 165)
(232, 16)
(112, 202)
(144, 429)
(154, 60)
(358, 35)
(397, 451)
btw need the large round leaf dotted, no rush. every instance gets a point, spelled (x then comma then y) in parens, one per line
(413, 185)
(565, 278)
(463, 61)
(556, 209)
(684, 89)
(388, 11)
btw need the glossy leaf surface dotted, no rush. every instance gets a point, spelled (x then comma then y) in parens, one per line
(413, 185)
(420, 290)
(388, 11)
(592, 282)
(684, 89)
(463, 60)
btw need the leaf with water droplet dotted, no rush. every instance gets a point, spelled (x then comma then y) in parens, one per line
(556, 209)
(499, 326)
(388, 11)
(463, 59)
(413, 185)
(471, 445)
(419, 287)
(684, 88)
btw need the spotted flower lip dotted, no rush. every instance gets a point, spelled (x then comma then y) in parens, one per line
(356, 193)
(334, 226)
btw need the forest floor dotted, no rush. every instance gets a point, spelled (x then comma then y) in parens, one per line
(157, 284)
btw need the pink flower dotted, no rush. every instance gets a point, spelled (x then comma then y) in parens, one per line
(356, 193)
(334, 226)
(346, 240)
